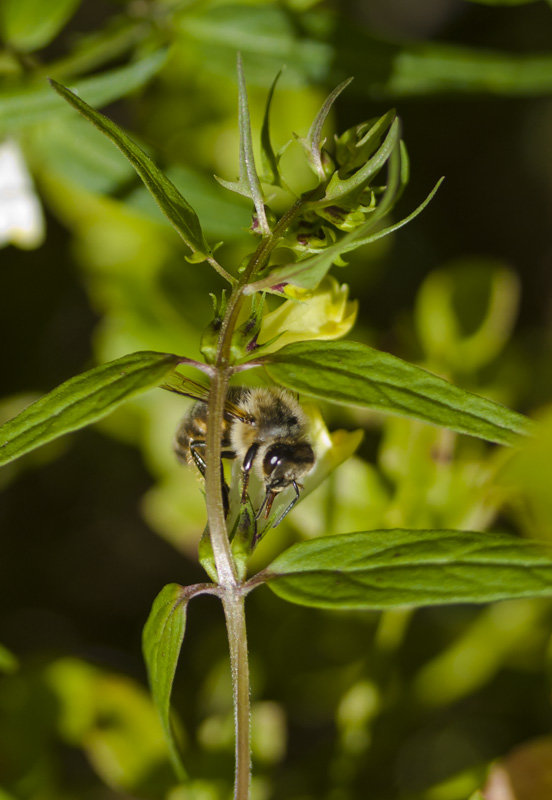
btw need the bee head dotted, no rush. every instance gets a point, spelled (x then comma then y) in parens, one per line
(284, 463)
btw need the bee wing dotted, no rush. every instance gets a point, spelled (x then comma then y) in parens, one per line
(185, 386)
(189, 388)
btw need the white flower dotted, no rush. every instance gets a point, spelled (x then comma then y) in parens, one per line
(21, 218)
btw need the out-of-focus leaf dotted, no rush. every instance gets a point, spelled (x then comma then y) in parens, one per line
(383, 569)
(8, 662)
(161, 643)
(75, 150)
(329, 48)
(222, 216)
(28, 105)
(353, 373)
(96, 48)
(177, 210)
(30, 24)
(420, 69)
(264, 34)
(111, 717)
(82, 400)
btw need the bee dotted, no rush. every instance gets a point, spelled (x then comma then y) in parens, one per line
(266, 429)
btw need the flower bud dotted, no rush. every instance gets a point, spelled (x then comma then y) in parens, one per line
(325, 313)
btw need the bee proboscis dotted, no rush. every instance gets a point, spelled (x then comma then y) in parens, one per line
(266, 429)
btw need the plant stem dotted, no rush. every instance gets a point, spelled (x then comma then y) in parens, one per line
(237, 638)
(229, 583)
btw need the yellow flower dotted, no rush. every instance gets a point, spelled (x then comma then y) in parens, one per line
(324, 313)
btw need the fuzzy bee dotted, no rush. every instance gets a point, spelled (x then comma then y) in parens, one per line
(266, 429)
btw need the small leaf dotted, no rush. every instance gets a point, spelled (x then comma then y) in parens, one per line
(360, 241)
(270, 159)
(387, 568)
(172, 203)
(353, 373)
(161, 643)
(248, 184)
(82, 400)
(339, 188)
(310, 271)
(30, 105)
(313, 141)
(31, 24)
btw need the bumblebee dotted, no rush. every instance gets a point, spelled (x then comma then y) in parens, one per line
(266, 429)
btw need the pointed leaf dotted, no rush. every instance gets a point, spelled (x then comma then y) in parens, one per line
(161, 643)
(248, 171)
(339, 188)
(353, 373)
(386, 568)
(172, 203)
(314, 137)
(309, 272)
(270, 160)
(363, 240)
(82, 400)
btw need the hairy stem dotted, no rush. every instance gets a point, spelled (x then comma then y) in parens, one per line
(237, 638)
(230, 585)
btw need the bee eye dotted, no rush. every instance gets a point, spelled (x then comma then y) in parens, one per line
(274, 456)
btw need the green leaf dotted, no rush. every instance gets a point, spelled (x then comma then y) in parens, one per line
(248, 183)
(223, 216)
(309, 272)
(82, 400)
(353, 373)
(164, 192)
(32, 104)
(362, 240)
(313, 141)
(386, 568)
(161, 643)
(31, 24)
(269, 158)
(339, 188)
(325, 47)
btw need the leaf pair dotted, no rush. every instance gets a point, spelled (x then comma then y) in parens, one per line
(367, 570)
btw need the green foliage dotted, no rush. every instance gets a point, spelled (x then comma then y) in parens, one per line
(162, 639)
(389, 685)
(30, 24)
(165, 193)
(350, 372)
(82, 400)
(28, 105)
(382, 569)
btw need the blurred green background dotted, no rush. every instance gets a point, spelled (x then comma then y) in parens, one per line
(399, 706)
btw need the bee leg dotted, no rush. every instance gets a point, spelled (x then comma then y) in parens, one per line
(290, 506)
(201, 464)
(199, 461)
(246, 469)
